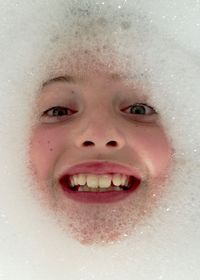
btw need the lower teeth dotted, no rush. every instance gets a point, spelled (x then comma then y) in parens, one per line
(87, 189)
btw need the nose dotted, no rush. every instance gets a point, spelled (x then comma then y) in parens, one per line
(101, 135)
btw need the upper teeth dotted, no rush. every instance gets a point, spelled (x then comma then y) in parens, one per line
(101, 181)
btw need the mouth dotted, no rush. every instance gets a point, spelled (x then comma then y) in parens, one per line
(98, 187)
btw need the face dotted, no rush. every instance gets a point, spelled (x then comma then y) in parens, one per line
(99, 155)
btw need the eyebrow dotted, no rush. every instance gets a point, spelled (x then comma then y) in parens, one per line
(67, 78)
(73, 80)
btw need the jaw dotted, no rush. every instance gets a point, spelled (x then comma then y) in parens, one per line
(103, 223)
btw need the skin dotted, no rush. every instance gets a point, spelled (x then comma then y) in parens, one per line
(100, 112)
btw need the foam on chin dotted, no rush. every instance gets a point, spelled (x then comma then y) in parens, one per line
(36, 40)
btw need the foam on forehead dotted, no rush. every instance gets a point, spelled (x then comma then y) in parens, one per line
(41, 40)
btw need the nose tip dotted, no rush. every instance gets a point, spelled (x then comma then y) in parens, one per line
(100, 133)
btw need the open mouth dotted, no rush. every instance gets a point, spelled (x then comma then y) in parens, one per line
(99, 187)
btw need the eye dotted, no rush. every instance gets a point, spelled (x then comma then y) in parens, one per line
(139, 109)
(57, 112)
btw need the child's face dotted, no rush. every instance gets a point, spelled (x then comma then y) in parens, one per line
(105, 132)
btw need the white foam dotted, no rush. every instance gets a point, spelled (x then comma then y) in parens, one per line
(158, 41)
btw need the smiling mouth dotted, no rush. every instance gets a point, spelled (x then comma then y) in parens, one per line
(100, 183)
(99, 187)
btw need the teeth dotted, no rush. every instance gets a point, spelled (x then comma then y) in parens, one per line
(81, 179)
(92, 181)
(99, 181)
(75, 177)
(124, 180)
(72, 181)
(105, 181)
(117, 189)
(116, 180)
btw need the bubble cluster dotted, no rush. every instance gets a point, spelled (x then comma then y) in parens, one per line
(153, 43)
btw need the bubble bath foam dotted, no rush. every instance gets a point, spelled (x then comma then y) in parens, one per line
(157, 44)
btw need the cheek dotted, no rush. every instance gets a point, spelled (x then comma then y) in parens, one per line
(46, 146)
(160, 152)
(154, 149)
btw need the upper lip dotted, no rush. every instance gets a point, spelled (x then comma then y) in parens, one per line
(101, 167)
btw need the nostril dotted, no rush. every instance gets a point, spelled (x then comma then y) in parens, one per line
(91, 143)
(88, 143)
(112, 144)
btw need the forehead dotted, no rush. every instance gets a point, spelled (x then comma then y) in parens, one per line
(126, 85)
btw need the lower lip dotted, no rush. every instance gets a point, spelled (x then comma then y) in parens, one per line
(97, 197)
